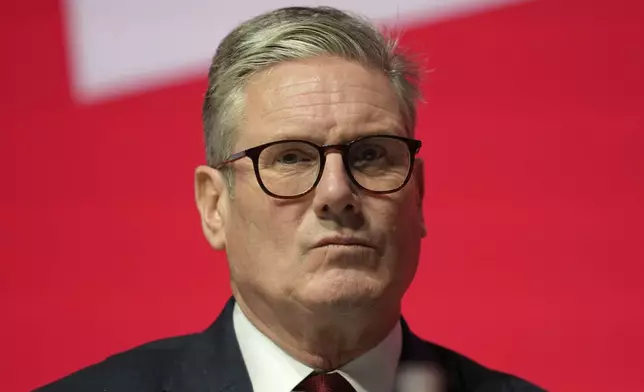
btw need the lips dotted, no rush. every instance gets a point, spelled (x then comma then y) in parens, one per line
(343, 241)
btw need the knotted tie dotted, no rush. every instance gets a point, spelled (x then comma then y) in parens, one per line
(325, 382)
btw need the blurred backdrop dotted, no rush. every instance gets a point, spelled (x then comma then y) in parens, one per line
(533, 131)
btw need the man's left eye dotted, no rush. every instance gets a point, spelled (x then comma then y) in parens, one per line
(369, 154)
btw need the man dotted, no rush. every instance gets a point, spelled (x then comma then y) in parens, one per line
(314, 191)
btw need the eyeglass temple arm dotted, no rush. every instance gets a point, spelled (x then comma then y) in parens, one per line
(230, 159)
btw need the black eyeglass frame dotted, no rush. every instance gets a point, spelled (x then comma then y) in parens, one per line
(254, 152)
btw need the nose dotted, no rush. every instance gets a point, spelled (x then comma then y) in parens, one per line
(335, 195)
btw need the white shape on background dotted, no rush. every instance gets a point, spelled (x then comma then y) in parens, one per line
(121, 46)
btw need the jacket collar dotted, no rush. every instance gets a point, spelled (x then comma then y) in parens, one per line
(211, 361)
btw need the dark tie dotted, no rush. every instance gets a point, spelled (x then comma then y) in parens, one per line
(326, 382)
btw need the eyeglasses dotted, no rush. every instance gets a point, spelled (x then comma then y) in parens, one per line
(287, 169)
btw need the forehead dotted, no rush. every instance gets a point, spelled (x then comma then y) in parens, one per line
(322, 99)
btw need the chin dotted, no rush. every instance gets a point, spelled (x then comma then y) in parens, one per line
(348, 289)
(348, 257)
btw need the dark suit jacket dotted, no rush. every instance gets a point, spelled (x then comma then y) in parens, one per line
(212, 362)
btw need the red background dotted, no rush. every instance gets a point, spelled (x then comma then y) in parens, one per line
(533, 135)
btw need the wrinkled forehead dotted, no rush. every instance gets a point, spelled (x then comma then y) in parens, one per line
(317, 96)
(332, 79)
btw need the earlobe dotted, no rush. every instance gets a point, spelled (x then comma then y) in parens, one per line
(210, 197)
(423, 228)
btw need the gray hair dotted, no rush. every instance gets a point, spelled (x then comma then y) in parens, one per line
(289, 34)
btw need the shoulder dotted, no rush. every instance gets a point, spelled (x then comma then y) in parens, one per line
(210, 357)
(139, 369)
(460, 372)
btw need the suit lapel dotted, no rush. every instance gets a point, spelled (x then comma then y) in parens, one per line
(414, 349)
(211, 361)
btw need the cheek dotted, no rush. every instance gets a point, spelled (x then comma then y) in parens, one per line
(262, 234)
(400, 224)
(400, 217)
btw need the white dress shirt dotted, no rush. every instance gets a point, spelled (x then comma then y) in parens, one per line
(273, 370)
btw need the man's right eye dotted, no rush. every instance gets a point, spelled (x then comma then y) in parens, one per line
(293, 157)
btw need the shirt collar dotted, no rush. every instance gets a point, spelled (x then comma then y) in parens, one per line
(272, 370)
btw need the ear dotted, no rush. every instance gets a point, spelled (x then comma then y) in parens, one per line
(211, 197)
(419, 181)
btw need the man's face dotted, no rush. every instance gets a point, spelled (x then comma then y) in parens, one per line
(273, 244)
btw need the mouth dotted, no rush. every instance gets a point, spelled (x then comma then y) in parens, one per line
(343, 242)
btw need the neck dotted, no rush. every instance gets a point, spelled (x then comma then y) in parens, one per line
(323, 340)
